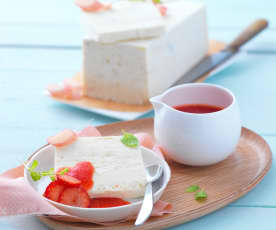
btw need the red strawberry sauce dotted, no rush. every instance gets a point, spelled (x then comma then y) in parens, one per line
(107, 202)
(84, 172)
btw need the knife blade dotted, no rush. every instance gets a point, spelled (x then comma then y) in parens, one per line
(211, 62)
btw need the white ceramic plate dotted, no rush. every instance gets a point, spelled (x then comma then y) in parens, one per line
(45, 157)
(121, 115)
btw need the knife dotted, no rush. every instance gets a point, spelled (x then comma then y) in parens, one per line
(210, 62)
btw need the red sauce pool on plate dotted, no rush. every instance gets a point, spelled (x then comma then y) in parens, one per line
(107, 202)
(198, 108)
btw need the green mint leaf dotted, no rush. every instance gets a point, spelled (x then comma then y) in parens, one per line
(50, 172)
(201, 195)
(34, 165)
(129, 140)
(53, 178)
(35, 176)
(137, 0)
(62, 172)
(192, 188)
(156, 1)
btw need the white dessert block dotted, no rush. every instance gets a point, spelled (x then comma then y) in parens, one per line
(133, 71)
(119, 170)
(126, 20)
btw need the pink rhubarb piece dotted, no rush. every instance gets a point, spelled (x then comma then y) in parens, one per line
(161, 207)
(73, 89)
(159, 151)
(89, 131)
(56, 90)
(145, 140)
(63, 138)
(92, 5)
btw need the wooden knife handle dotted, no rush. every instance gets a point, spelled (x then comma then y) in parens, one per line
(247, 34)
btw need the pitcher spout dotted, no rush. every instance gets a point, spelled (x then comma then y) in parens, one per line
(157, 103)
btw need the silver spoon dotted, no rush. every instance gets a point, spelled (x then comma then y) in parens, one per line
(153, 173)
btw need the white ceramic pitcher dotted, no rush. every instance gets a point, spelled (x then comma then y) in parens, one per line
(192, 138)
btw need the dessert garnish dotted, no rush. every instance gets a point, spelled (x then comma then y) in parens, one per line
(145, 140)
(200, 195)
(63, 138)
(192, 188)
(69, 89)
(35, 175)
(129, 140)
(92, 5)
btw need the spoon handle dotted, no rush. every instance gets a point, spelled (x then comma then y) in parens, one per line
(147, 206)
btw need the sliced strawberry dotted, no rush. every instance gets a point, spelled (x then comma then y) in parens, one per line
(53, 190)
(89, 131)
(68, 180)
(84, 172)
(63, 138)
(77, 197)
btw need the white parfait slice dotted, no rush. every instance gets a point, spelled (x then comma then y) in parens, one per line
(126, 20)
(133, 71)
(119, 170)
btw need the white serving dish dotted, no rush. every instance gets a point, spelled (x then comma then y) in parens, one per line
(45, 157)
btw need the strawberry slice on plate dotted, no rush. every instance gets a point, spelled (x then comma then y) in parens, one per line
(77, 197)
(69, 180)
(54, 190)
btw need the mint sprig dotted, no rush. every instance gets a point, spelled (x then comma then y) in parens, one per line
(62, 172)
(129, 140)
(192, 188)
(201, 195)
(156, 1)
(38, 175)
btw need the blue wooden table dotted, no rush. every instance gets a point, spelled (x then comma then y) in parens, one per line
(40, 43)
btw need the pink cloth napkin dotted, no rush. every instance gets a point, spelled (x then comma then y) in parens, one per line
(19, 198)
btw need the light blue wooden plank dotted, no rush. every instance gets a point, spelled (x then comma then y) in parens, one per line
(41, 59)
(39, 12)
(37, 34)
(230, 218)
(252, 79)
(239, 13)
(265, 41)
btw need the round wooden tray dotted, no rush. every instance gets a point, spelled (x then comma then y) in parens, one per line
(223, 182)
